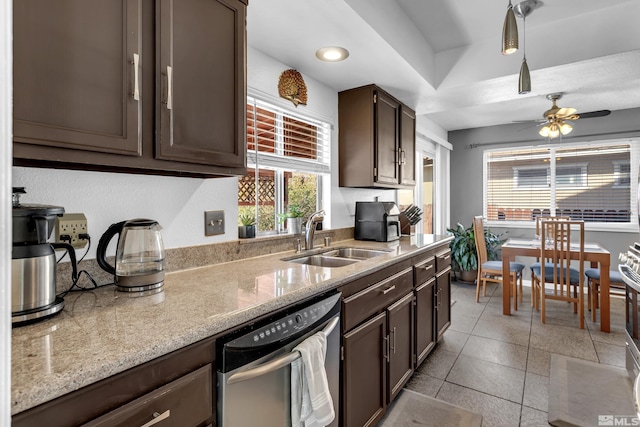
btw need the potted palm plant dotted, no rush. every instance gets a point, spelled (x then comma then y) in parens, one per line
(294, 217)
(247, 225)
(464, 256)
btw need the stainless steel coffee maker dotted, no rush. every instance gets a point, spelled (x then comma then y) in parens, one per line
(33, 261)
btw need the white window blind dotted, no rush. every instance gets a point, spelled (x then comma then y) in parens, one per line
(281, 138)
(590, 182)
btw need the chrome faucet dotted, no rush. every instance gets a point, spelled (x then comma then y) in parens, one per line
(314, 219)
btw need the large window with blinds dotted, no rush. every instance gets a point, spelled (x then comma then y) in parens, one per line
(288, 158)
(589, 181)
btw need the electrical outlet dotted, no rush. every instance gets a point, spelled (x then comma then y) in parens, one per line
(72, 224)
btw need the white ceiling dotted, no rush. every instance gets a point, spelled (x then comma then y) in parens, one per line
(442, 57)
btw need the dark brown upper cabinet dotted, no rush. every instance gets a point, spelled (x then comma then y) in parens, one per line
(376, 139)
(131, 86)
(201, 53)
(77, 75)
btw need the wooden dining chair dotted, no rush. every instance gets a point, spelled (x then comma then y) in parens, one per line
(491, 271)
(560, 241)
(616, 286)
(539, 220)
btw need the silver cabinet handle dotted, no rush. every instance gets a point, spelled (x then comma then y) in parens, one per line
(169, 87)
(389, 289)
(404, 156)
(278, 363)
(399, 156)
(136, 77)
(157, 418)
(386, 348)
(428, 267)
(393, 346)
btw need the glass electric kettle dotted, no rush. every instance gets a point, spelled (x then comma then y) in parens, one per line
(139, 263)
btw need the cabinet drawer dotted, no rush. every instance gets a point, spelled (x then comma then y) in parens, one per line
(443, 260)
(424, 270)
(371, 300)
(185, 402)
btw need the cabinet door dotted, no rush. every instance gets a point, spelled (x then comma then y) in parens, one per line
(201, 82)
(425, 331)
(76, 70)
(443, 301)
(407, 146)
(386, 151)
(365, 372)
(400, 320)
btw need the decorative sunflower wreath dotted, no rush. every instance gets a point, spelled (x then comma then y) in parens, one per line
(291, 86)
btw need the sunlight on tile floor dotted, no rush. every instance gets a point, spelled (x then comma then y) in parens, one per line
(498, 366)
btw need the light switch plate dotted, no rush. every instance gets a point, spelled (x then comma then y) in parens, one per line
(213, 223)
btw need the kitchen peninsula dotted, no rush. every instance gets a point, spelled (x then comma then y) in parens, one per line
(103, 333)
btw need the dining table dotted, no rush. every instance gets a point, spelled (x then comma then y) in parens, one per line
(594, 253)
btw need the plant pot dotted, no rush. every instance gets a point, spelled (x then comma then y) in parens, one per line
(468, 276)
(246, 231)
(294, 225)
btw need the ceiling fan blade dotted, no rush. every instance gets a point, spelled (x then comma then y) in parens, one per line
(600, 113)
(530, 121)
(565, 112)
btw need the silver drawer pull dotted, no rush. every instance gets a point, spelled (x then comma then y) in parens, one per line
(428, 267)
(389, 289)
(157, 418)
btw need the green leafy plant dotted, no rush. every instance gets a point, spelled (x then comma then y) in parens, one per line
(246, 218)
(463, 247)
(293, 211)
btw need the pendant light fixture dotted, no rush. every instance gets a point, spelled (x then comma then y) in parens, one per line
(522, 10)
(524, 80)
(509, 32)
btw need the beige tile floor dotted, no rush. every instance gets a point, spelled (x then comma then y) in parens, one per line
(498, 365)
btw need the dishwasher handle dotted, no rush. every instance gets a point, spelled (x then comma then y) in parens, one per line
(278, 363)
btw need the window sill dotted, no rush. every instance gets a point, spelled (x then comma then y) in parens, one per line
(588, 226)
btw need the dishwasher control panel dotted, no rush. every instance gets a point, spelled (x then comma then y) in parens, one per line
(286, 326)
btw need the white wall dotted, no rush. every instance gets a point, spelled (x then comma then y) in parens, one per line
(5, 209)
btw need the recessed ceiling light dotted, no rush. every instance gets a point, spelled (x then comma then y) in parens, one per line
(332, 54)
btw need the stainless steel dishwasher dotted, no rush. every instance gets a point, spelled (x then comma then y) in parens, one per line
(254, 364)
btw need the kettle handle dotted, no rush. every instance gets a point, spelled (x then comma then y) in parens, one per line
(101, 251)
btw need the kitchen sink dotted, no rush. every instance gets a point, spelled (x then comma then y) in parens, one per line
(355, 253)
(338, 257)
(323, 261)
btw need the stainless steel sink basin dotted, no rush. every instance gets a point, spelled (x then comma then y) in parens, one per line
(338, 257)
(323, 261)
(354, 253)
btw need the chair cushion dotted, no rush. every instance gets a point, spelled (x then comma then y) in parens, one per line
(574, 274)
(497, 265)
(594, 273)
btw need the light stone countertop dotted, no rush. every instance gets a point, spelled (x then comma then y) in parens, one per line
(103, 332)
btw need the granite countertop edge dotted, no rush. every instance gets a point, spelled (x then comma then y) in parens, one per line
(33, 384)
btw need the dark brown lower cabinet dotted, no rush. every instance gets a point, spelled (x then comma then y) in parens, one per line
(185, 402)
(424, 328)
(365, 373)
(400, 321)
(443, 301)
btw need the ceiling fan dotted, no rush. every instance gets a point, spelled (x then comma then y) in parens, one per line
(554, 118)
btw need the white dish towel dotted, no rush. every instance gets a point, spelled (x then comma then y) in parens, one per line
(311, 403)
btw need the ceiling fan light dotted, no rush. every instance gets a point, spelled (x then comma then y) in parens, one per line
(509, 32)
(544, 132)
(565, 128)
(554, 131)
(524, 81)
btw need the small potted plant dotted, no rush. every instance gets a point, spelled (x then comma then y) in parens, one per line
(464, 256)
(247, 225)
(294, 217)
